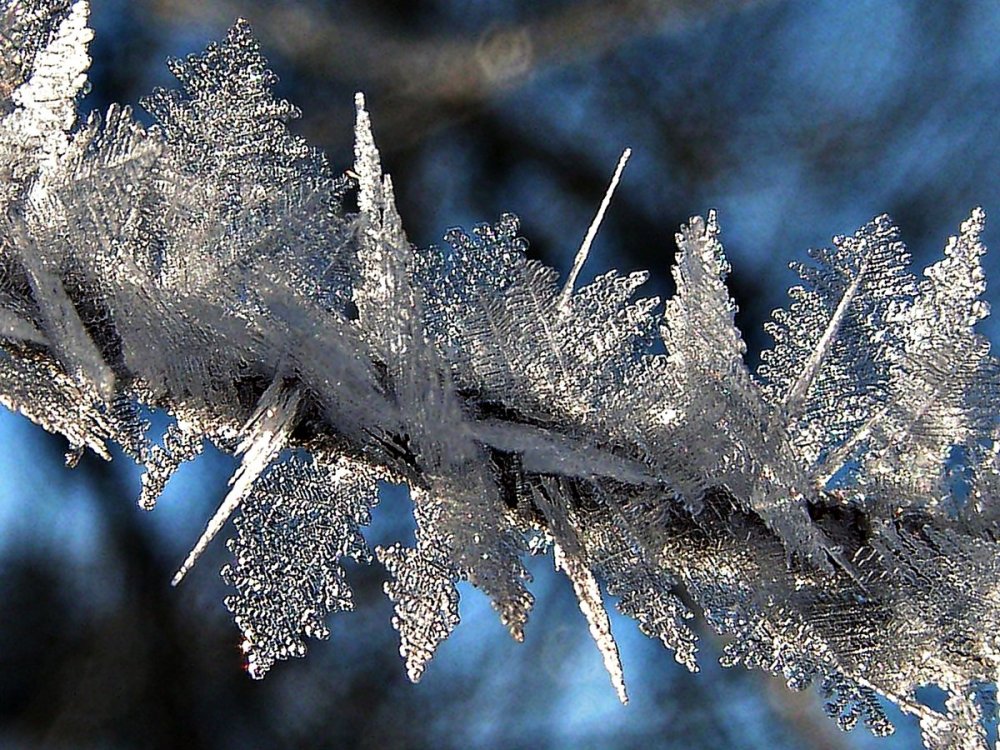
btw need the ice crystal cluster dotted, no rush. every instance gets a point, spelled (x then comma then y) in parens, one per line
(834, 514)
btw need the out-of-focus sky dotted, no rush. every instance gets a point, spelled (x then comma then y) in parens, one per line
(796, 120)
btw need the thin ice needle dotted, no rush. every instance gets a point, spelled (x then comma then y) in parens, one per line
(266, 434)
(588, 240)
(226, 509)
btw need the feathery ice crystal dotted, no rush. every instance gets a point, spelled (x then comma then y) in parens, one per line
(812, 510)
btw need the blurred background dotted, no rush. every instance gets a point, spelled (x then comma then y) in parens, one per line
(796, 120)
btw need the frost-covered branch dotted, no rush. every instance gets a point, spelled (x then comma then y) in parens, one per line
(834, 513)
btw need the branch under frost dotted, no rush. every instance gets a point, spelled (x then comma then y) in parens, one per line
(833, 513)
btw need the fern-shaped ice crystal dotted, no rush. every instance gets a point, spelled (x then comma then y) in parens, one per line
(835, 514)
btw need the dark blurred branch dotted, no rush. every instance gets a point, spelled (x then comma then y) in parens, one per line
(421, 74)
(442, 67)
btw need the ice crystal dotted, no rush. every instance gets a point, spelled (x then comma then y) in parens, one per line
(833, 514)
(296, 523)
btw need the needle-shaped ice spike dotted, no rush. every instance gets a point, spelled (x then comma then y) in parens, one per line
(588, 240)
(266, 434)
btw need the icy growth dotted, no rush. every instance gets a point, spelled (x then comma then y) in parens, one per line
(264, 436)
(835, 514)
(296, 523)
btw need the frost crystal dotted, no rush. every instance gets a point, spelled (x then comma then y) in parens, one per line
(834, 514)
(295, 525)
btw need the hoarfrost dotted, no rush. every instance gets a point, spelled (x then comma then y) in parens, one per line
(834, 514)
